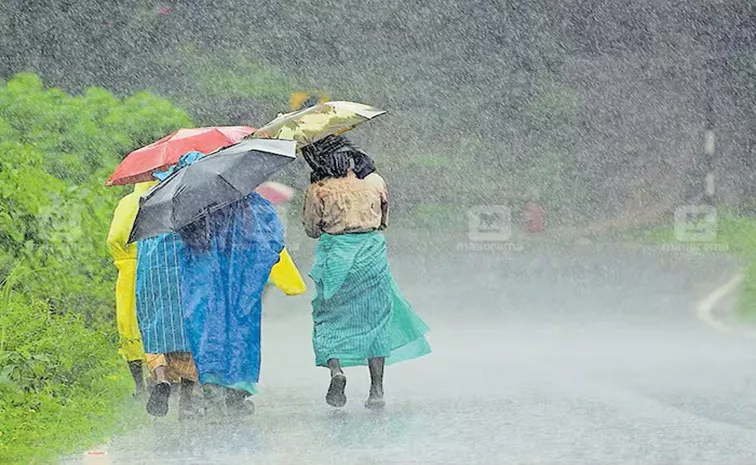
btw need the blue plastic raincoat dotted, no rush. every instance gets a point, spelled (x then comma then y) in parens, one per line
(226, 261)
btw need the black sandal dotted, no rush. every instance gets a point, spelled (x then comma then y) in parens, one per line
(157, 404)
(239, 403)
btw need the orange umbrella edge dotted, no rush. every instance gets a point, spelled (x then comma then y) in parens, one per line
(133, 179)
(114, 180)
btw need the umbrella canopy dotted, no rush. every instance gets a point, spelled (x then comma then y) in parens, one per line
(316, 122)
(209, 184)
(139, 165)
(276, 193)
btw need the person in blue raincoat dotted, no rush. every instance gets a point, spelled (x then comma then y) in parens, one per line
(226, 262)
(167, 296)
(160, 316)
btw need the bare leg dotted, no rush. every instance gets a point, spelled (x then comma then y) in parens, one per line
(375, 399)
(335, 396)
(187, 409)
(160, 375)
(135, 367)
(157, 404)
(335, 366)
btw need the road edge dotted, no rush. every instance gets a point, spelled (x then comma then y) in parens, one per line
(706, 307)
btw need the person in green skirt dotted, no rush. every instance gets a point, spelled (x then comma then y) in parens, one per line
(359, 315)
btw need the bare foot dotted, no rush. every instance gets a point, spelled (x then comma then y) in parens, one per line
(375, 400)
(335, 396)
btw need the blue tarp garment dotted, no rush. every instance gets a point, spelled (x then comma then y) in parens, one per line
(185, 160)
(158, 295)
(223, 274)
(159, 306)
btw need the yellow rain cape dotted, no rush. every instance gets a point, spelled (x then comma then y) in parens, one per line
(124, 256)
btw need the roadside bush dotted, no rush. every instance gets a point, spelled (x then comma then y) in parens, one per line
(62, 383)
(56, 151)
(738, 234)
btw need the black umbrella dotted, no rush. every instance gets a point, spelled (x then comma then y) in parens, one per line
(209, 184)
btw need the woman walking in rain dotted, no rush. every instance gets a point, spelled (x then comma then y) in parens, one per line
(199, 300)
(161, 319)
(160, 310)
(359, 315)
(205, 286)
(229, 256)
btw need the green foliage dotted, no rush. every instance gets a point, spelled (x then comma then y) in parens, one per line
(59, 380)
(546, 180)
(54, 210)
(60, 375)
(467, 110)
(553, 107)
(243, 79)
(230, 86)
(446, 216)
(747, 299)
(739, 233)
(81, 137)
(551, 165)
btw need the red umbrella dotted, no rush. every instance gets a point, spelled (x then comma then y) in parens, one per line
(139, 165)
(275, 193)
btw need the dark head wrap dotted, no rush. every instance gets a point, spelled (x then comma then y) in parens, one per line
(326, 162)
(327, 156)
(363, 164)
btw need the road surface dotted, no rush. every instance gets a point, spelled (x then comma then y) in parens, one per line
(545, 354)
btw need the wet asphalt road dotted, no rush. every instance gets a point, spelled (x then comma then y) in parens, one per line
(550, 354)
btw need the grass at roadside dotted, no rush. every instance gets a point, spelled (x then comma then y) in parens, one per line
(737, 234)
(63, 387)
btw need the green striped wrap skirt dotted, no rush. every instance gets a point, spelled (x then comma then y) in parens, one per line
(358, 311)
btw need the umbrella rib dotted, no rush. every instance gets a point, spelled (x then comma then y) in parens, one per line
(220, 175)
(208, 210)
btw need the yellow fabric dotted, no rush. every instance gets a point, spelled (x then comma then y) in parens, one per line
(124, 257)
(285, 276)
(178, 365)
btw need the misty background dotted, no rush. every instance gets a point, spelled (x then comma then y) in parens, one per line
(595, 108)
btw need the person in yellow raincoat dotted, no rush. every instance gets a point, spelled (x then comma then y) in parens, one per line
(124, 256)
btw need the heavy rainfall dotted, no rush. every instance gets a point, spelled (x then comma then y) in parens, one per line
(572, 215)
